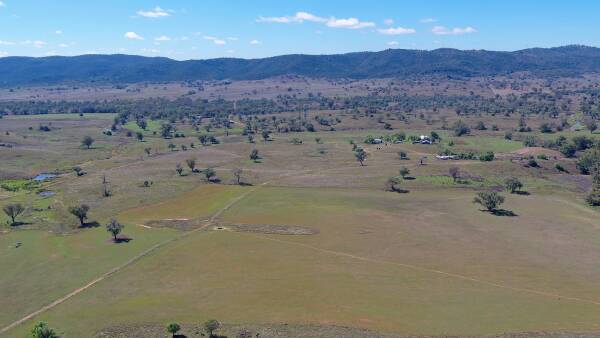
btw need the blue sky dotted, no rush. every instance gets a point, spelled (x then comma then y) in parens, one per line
(199, 29)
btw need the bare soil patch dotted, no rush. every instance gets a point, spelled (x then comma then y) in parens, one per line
(535, 151)
(175, 223)
(299, 331)
(272, 229)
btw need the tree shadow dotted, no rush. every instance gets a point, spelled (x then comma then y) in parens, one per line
(245, 184)
(179, 336)
(503, 212)
(408, 178)
(523, 193)
(93, 224)
(122, 239)
(18, 223)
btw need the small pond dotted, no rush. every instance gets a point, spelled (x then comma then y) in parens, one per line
(44, 176)
(46, 194)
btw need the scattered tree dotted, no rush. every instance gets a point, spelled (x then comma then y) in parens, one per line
(166, 130)
(460, 128)
(211, 326)
(237, 173)
(404, 171)
(593, 198)
(254, 155)
(42, 330)
(13, 211)
(454, 173)
(87, 141)
(173, 328)
(209, 173)
(512, 184)
(191, 163)
(489, 200)
(139, 136)
(265, 135)
(179, 169)
(114, 228)
(78, 171)
(81, 212)
(591, 124)
(361, 155)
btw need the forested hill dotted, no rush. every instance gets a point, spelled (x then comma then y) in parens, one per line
(568, 60)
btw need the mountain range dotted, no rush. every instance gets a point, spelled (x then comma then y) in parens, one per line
(118, 68)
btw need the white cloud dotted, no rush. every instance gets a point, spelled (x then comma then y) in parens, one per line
(3, 54)
(35, 43)
(397, 31)
(157, 12)
(232, 39)
(162, 38)
(272, 19)
(393, 43)
(255, 42)
(184, 38)
(300, 17)
(427, 20)
(51, 53)
(215, 40)
(6, 43)
(63, 45)
(59, 32)
(304, 16)
(441, 30)
(133, 36)
(146, 50)
(231, 51)
(350, 23)
(388, 22)
(2, 4)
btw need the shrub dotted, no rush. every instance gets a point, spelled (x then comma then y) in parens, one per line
(460, 128)
(530, 141)
(487, 157)
(568, 149)
(489, 200)
(42, 330)
(173, 328)
(588, 160)
(560, 168)
(513, 184)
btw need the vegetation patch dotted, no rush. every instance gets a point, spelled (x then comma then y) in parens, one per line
(273, 229)
(179, 224)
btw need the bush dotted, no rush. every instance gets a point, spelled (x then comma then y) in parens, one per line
(489, 199)
(588, 160)
(487, 157)
(568, 150)
(42, 330)
(513, 184)
(532, 163)
(560, 168)
(545, 128)
(460, 128)
(530, 141)
(593, 198)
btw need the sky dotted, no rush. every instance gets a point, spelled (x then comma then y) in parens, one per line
(202, 29)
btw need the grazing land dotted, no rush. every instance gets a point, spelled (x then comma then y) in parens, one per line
(247, 202)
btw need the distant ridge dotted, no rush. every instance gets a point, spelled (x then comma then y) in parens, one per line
(118, 68)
